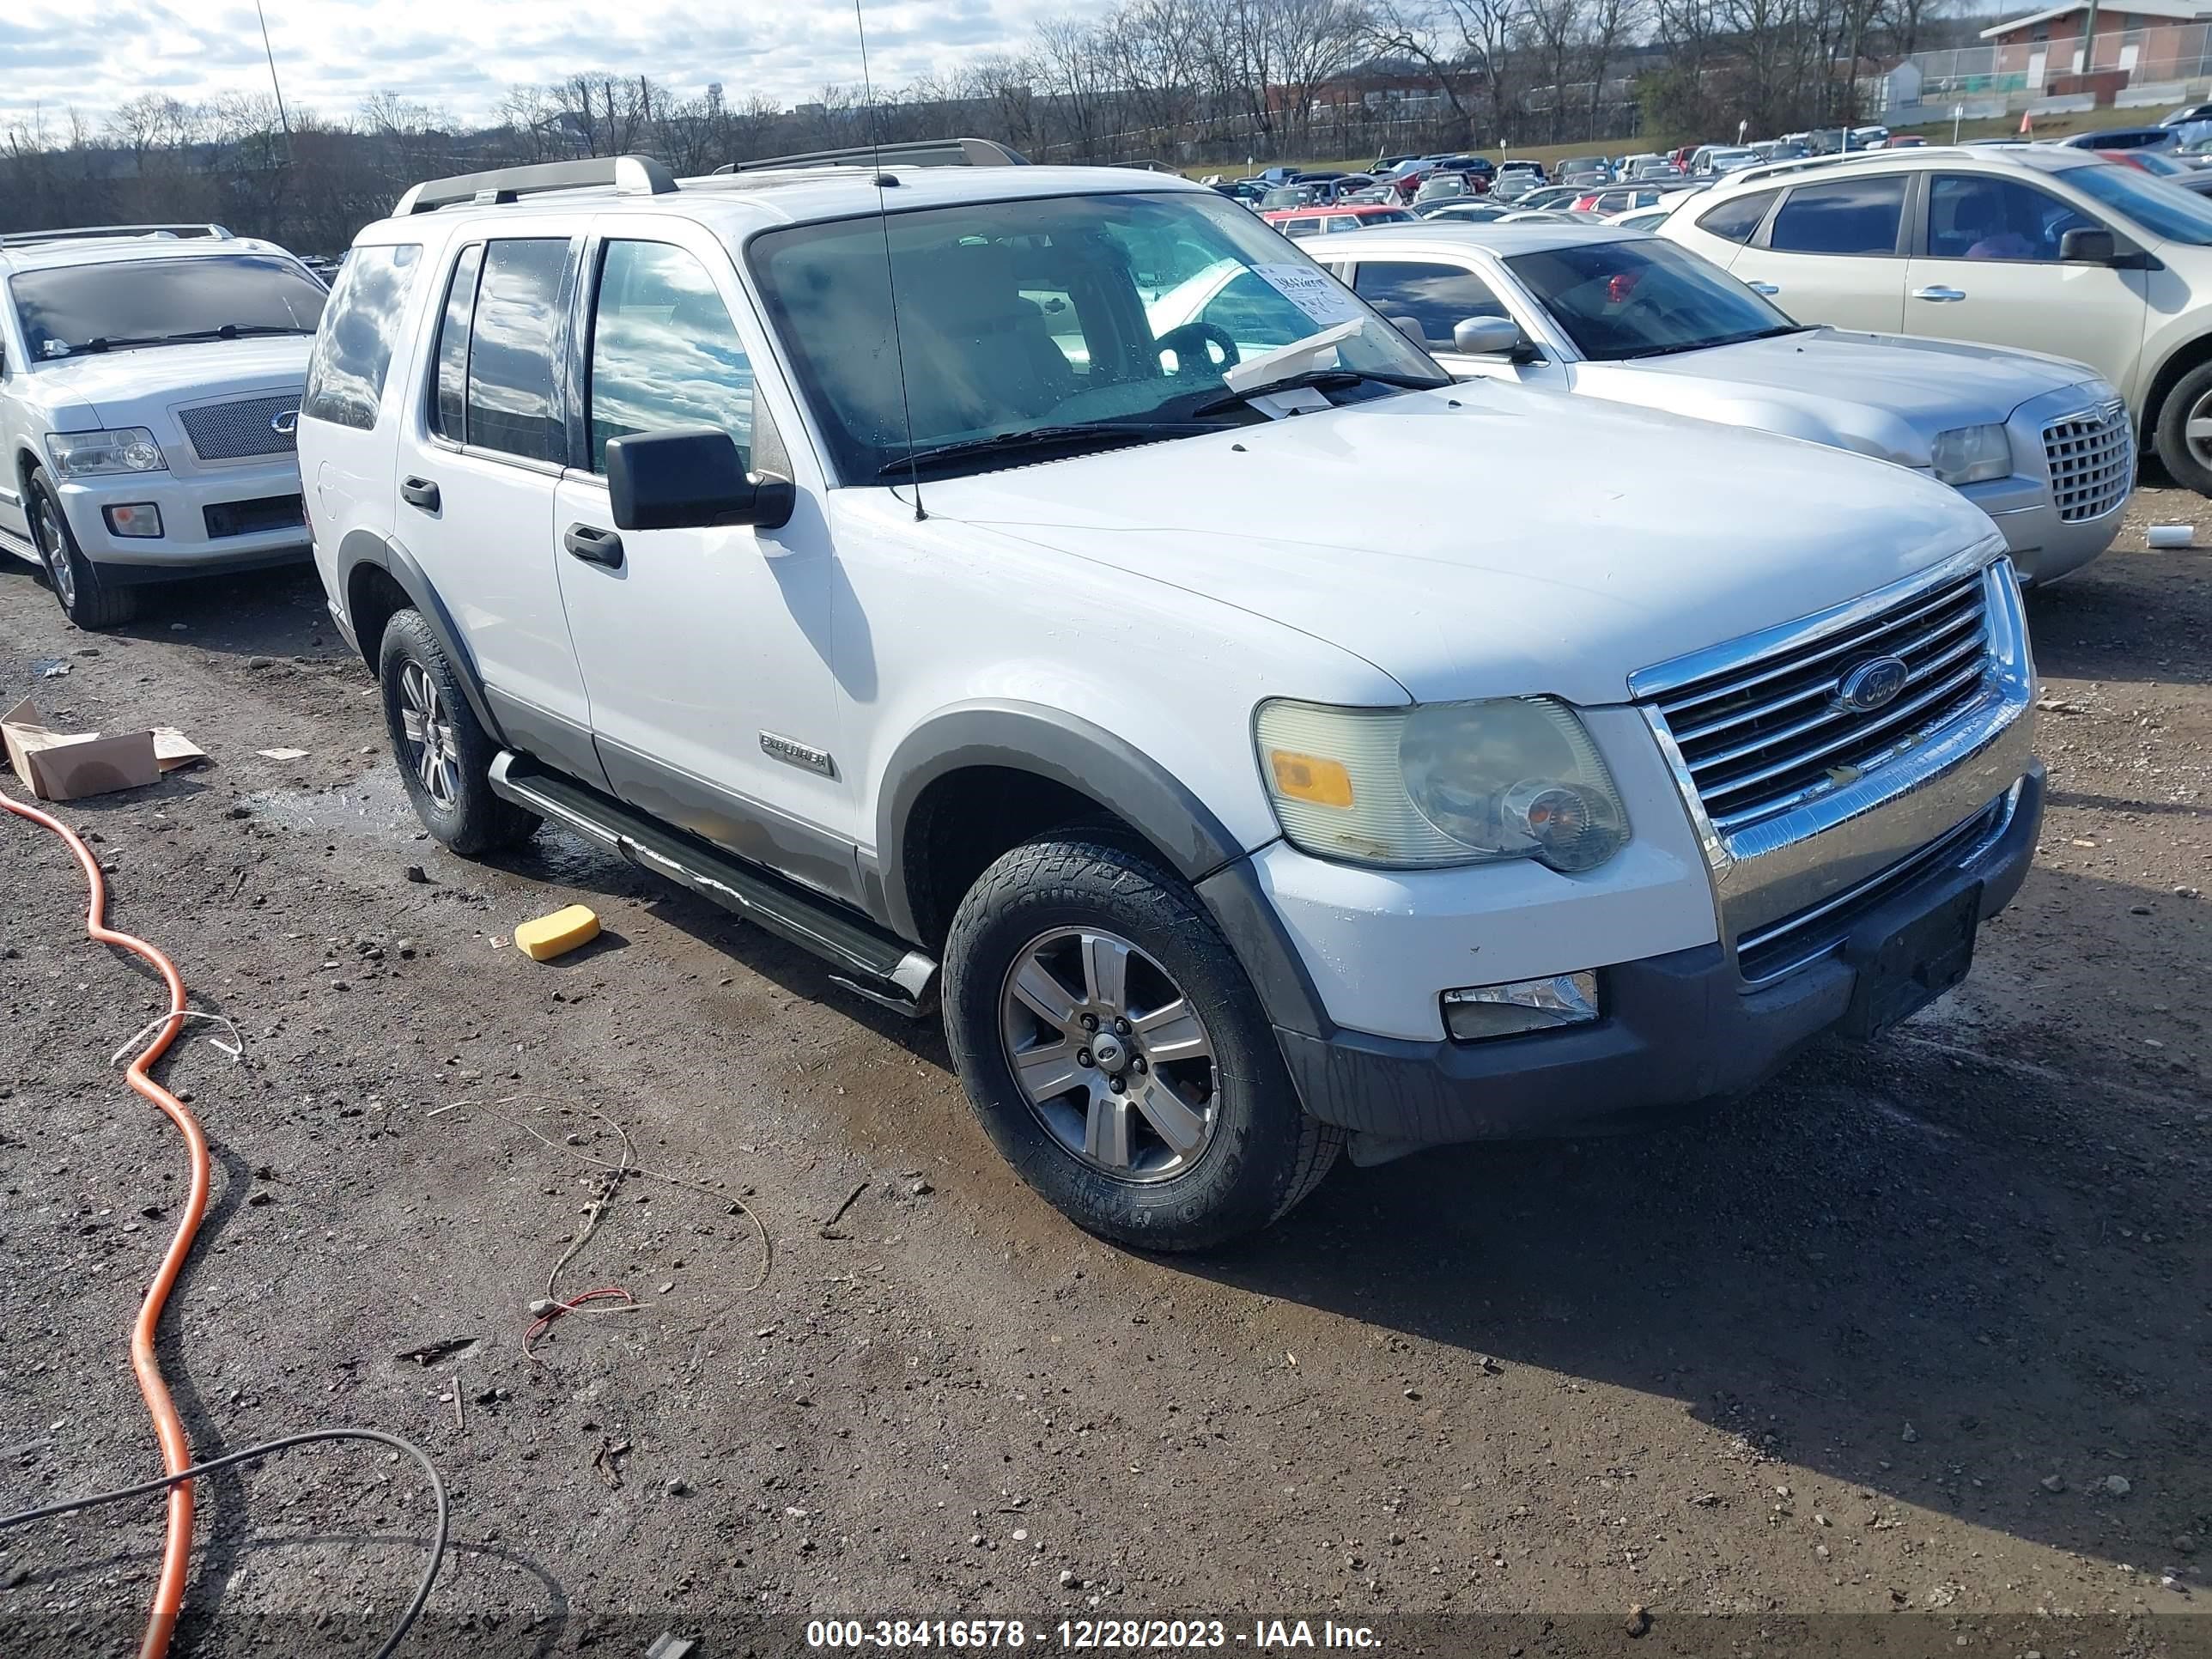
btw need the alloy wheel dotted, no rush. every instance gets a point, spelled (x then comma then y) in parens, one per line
(431, 748)
(1109, 1054)
(54, 548)
(2196, 430)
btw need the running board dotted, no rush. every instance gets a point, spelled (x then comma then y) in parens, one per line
(868, 960)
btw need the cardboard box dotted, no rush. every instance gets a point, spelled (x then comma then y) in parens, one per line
(64, 765)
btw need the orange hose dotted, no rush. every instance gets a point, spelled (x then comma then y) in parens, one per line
(176, 1451)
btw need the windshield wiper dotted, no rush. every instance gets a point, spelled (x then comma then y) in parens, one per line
(1064, 437)
(228, 331)
(1318, 379)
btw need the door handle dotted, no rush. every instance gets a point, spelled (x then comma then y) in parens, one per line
(419, 492)
(1770, 289)
(594, 545)
(1942, 296)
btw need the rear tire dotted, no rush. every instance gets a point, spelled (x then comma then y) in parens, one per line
(1116, 1052)
(85, 599)
(2188, 462)
(445, 755)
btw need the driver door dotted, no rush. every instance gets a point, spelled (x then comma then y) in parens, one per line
(1987, 269)
(1438, 294)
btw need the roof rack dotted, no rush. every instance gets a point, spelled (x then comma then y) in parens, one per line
(630, 175)
(921, 152)
(86, 232)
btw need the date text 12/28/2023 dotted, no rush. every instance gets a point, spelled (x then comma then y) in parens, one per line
(1088, 1635)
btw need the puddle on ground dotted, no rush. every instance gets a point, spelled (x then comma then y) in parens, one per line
(375, 805)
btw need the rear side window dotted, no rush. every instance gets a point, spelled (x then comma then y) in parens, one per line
(360, 329)
(1736, 219)
(1852, 216)
(449, 413)
(512, 402)
(663, 351)
(1438, 297)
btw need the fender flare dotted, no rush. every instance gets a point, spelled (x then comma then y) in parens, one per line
(1065, 749)
(366, 547)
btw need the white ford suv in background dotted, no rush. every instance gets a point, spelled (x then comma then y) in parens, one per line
(150, 395)
(864, 557)
(2033, 246)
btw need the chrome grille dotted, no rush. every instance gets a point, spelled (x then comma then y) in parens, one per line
(232, 432)
(2093, 462)
(1762, 736)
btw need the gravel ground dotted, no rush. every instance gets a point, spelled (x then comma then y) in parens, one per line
(1908, 1351)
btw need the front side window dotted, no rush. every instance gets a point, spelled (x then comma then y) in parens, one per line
(663, 351)
(1975, 217)
(1437, 296)
(359, 330)
(512, 401)
(1851, 215)
(1643, 297)
(1019, 317)
(70, 310)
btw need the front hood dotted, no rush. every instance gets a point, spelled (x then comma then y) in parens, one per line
(1880, 394)
(1489, 540)
(124, 388)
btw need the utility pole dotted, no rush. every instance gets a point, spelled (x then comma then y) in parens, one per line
(276, 86)
(2088, 37)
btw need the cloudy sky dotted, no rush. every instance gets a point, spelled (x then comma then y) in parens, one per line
(462, 53)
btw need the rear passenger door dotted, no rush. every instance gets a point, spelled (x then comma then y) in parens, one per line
(480, 458)
(707, 651)
(1834, 253)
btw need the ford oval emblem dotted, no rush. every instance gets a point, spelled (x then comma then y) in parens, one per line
(1873, 685)
(284, 422)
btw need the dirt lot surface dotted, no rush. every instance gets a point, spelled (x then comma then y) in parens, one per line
(1908, 1353)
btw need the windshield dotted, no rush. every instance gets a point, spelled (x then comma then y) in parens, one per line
(73, 309)
(1643, 298)
(1113, 313)
(2164, 211)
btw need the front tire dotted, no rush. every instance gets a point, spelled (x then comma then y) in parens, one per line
(2188, 406)
(85, 599)
(1116, 1052)
(445, 755)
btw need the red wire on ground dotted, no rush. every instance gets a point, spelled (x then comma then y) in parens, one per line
(605, 1293)
(168, 1429)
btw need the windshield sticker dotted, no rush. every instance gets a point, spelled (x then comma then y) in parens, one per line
(1316, 293)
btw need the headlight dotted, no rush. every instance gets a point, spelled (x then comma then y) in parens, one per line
(1968, 454)
(1441, 783)
(125, 449)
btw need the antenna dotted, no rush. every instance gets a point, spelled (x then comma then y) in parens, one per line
(270, 53)
(891, 281)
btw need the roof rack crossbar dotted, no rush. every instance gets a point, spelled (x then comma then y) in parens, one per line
(920, 152)
(630, 175)
(87, 233)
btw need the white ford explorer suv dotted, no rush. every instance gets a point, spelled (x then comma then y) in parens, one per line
(149, 394)
(854, 549)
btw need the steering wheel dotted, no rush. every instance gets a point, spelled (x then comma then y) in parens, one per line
(1188, 343)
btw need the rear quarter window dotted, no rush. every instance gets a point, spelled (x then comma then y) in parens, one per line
(359, 330)
(1737, 218)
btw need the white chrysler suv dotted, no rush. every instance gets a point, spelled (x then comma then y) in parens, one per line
(856, 545)
(149, 395)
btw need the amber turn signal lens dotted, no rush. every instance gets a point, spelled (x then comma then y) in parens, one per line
(1310, 778)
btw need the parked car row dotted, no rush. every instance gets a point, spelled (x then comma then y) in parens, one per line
(974, 643)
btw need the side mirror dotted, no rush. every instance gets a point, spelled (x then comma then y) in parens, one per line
(1411, 330)
(692, 479)
(1485, 336)
(2088, 248)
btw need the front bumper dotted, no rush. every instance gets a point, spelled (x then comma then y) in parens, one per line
(2042, 545)
(1677, 1029)
(196, 507)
